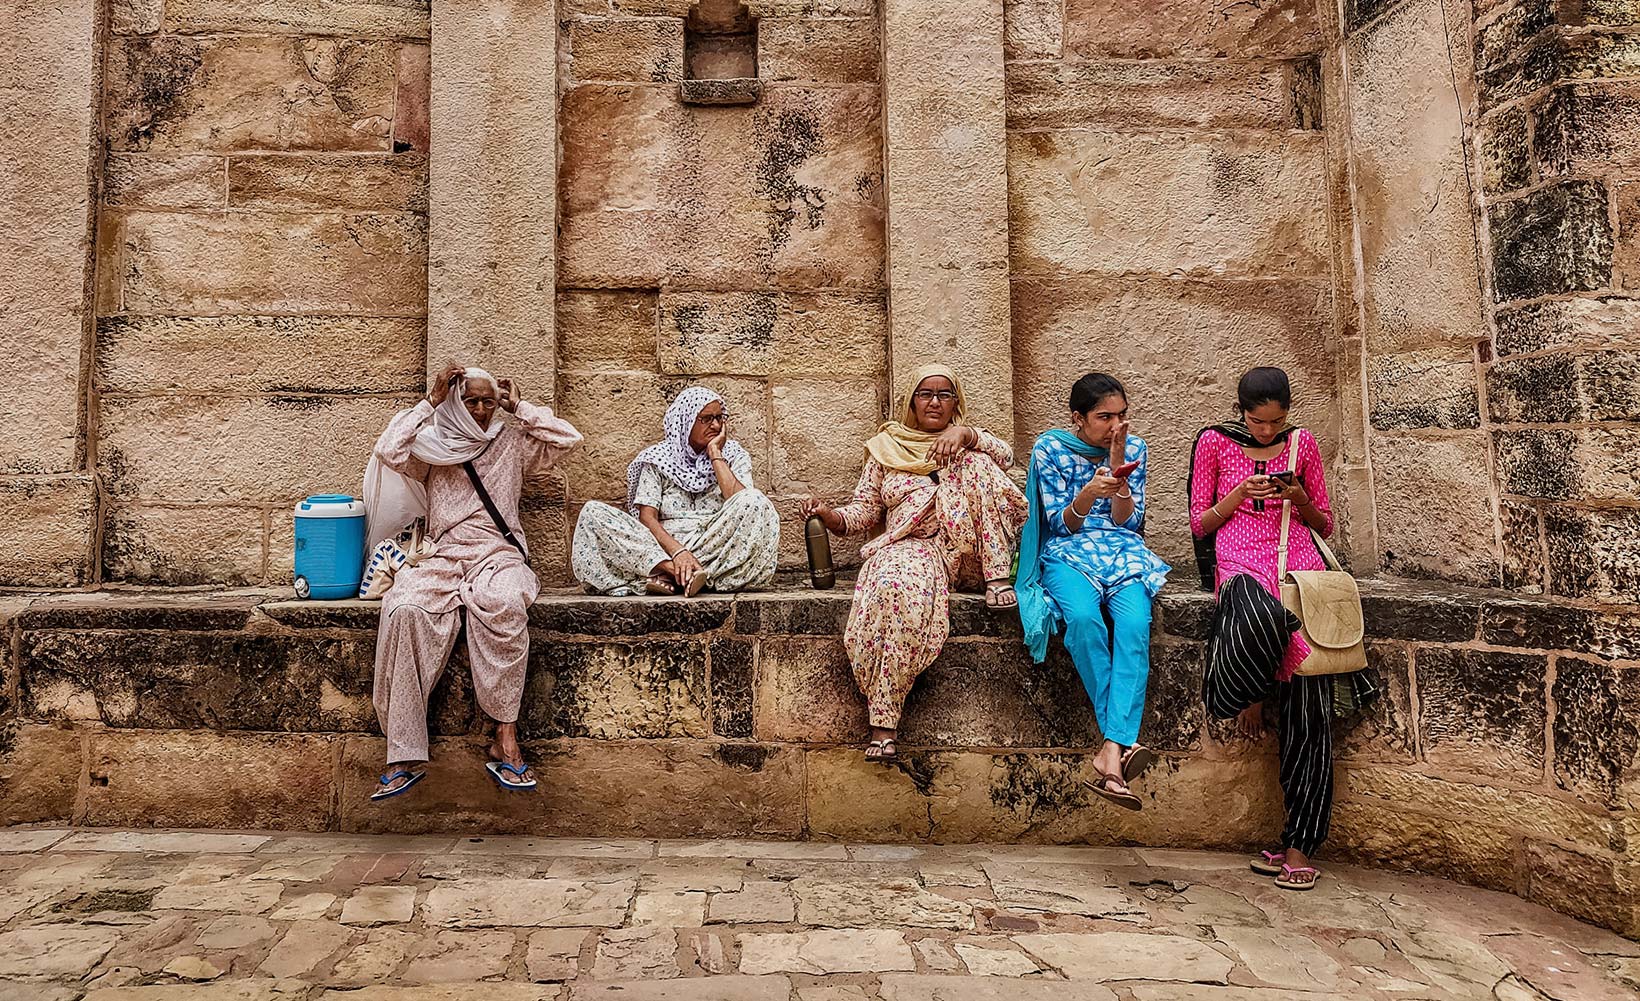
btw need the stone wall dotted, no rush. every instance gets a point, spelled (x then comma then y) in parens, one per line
(1503, 752)
(1170, 218)
(261, 271)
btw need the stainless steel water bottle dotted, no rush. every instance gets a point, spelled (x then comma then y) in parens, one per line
(819, 543)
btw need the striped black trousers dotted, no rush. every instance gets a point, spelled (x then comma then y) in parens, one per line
(1249, 638)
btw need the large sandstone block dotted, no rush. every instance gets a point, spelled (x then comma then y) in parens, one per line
(773, 333)
(1139, 95)
(1593, 554)
(1505, 153)
(632, 50)
(45, 200)
(1591, 886)
(1167, 203)
(1597, 728)
(142, 544)
(388, 18)
(164, 181)
(1148, 332)
(811, 50)
(1452, 540)
(607, 331)
(1588, 128)
(1189, 28)
(1535, 624)
(322, 181)
(1503, 807)
(260, 354)
(1599, 463)
(1582, 322)
(144, 778)
(1434, 388)
(1555, 56)
(820, 430)
(1379, 834)
(363, 263)
(230, 93)
(177, 680)
(1557, 388)
(275, 448)
(793, 194)
(40, 770)
(45, 536)
(1626, 254)
(1406, 127)
(616, 690)
(1554, 240)
(806, 692)
(1482, 712)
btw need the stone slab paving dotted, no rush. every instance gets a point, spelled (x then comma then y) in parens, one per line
(180, 916)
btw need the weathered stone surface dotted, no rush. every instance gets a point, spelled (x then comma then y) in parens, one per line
(610, 690)
(554, 953)
(636, 954)
(53, 951)
(819, 428)
(988, 962)
(603, 618)
(172, 263)
(382, 952)
(304, 946)
(1570, 463)
(135, 17)
(1188, 28)
(1540, 625)
(670, 909)
(874, 950)
(1597, 726)
(1580, 884)
(164, 181)
(1481, 711)
(307, 907)
(1093, 201)
(772, 333)
(982, 695)
(1506, 162)
(905, 987)
(317, 182)
(872, 902)
(1282, 961)
(730, 988)
(636, 50)
(186, 680)
(1187, 94)
(390, 18)
(1593, 554)
(243, 898)
(753, 903)
(1581, 322)
(1128, 956)
(229, 93)
(50, 120)
(1626, 255)
(173, 779)
(613, 330)
(795, 195)
(163, 842)
(818, 51)
(1385, 731)
(277, 448)
(486, 991)
(806, 692)
(1435, 388)
(45, 538)
(461, 957)
(40, 770)
(1059, 889)
(1559, 55)
(1500, 807)
(1522, 548)
(191, 545)
(530, 903)
(1033, 29)
(379, 905)
(1429, 614)
(1174, 387)
(271, 354)
(411, 130)
(732, 672)
(1554, 240)
(1407, 162)
(1454, 540)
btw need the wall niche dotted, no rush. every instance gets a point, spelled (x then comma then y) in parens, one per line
(720, 54)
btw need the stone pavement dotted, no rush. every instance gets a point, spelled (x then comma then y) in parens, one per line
(111, 915)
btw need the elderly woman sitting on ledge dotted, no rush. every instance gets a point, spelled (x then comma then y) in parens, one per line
(450, 460)
(695, 519)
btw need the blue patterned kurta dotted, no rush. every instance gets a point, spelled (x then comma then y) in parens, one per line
(1108, 554)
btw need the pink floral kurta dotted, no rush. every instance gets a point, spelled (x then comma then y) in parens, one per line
(960, 532)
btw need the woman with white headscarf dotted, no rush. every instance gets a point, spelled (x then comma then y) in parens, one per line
(693, 519)
(429, 463)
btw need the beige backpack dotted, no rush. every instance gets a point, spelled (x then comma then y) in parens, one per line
(1328, 603)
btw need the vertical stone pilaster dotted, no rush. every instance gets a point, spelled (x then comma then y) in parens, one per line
(48, 72)
(493, 196)
(945, 149)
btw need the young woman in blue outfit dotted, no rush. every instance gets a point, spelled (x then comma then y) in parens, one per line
(1082, 556)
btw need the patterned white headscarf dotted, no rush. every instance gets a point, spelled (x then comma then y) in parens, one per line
(392, 501)
(673, 457)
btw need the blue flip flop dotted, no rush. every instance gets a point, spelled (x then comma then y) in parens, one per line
(495, 768)
(414, 777)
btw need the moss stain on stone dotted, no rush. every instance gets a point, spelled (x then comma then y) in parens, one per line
(162, 74)
(1027, 783)
(791, 140)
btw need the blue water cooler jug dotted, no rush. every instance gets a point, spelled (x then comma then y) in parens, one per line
(329, 546)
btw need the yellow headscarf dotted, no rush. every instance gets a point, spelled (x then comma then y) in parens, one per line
(898, 444)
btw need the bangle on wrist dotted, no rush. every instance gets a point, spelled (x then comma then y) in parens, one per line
(1126, 496)
(1079, 514)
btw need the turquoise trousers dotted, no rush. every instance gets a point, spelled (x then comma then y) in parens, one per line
(1114, 659)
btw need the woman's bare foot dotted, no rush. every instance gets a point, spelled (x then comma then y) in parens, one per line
(505, 749)
(881, 748)
(1250, 724)
(1109, 762)
(1297, 871)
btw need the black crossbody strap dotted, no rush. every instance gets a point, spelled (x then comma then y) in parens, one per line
(495, 515)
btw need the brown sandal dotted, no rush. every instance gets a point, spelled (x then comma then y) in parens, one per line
(660, 584)
(1135, 761)
(1125, 800)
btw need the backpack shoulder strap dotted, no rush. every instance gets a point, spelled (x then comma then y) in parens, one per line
(495, 514)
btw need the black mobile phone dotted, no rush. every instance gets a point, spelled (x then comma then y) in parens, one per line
(1285, 476)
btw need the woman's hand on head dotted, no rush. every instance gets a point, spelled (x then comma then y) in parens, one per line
(950, 444)
(440, 389)
(511, 394)
(716, 444)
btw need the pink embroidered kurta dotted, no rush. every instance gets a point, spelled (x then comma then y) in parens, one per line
(474, 567)
(1248, 542)
(958, 533)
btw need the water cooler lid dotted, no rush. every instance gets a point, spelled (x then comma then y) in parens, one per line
(330, 506)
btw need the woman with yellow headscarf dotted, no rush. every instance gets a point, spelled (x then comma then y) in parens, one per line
(951, 517)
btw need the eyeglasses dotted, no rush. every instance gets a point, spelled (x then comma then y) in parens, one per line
(712, 418)
(942, 395)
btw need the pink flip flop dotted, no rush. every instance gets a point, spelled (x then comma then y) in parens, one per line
(1268, 863)
(1286, 882)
